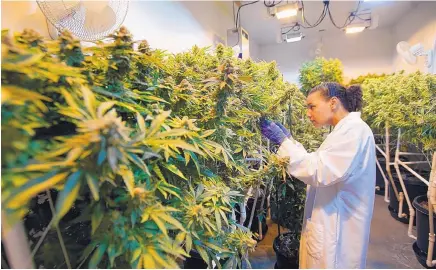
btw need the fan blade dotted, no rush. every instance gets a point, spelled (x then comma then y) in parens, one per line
(98, 22)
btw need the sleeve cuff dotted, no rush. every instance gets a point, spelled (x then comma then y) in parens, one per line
(291, 148)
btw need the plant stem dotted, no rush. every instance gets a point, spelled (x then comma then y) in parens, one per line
(254, 207)
(41, 239)
(61, 240)
(278, 212)
(261, 206)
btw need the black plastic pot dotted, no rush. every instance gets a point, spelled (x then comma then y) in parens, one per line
(283, 262)
(423, 229)
(415, 188)
(195, 261)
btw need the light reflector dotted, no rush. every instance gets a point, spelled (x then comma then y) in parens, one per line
(287, 11)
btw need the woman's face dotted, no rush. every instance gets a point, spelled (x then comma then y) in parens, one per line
(319, 109)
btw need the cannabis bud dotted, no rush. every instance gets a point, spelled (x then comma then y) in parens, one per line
(31, 38)
(219, 51)
(122, 35)
(144, 47)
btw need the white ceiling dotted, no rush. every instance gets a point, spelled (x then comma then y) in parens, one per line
(264, 29)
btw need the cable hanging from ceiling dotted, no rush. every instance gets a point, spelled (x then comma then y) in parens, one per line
(271, 3)
(296, 27)
(304, 22)
(318, 21)
(238, 17)
(239, 10)
(349, 19)
(326, 10)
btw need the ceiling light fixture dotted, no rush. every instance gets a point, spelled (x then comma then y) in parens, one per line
(354, 29)
(294, 37)
(287, 11)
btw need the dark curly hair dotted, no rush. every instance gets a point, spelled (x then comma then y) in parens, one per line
(351, 97)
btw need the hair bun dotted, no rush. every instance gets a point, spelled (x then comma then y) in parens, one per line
(354, 98)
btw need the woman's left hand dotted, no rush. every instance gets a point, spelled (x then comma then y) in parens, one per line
(273, 132)
(285, 131)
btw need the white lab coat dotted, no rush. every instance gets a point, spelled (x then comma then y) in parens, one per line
(340, 178)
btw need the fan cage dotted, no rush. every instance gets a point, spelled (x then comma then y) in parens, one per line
(71, 15)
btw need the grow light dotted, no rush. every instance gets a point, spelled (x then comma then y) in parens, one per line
(294, 37)
(354, 29)
(287, 11)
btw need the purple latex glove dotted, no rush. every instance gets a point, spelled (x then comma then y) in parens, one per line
(285, 131)
(273, 132)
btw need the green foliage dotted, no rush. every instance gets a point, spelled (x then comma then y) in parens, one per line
(319, 70)
(406, 102)
(289, 209)
(154, 160)
(362, 78)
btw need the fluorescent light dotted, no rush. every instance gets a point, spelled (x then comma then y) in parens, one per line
(294, 37)
(354, 29)
(287, 11)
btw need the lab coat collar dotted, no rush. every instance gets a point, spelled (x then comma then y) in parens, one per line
(349, 117)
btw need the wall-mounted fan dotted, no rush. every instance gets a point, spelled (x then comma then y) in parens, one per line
(410, 53)
(87, 20)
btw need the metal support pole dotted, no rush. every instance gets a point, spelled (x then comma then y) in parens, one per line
(385, 179)
(403, 186)
(413, 172)
(388, 163)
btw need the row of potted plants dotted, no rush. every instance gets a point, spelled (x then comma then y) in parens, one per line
(405, 102)
(120, 155)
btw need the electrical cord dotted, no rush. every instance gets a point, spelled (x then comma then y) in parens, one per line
(271, 5)
(239, 10)
(233, 7)
(238, 19)
(360, 18)
(349, 19)
(326, 10)
(295, 27)
(318, 21)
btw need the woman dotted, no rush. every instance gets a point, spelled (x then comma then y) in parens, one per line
(340, 178)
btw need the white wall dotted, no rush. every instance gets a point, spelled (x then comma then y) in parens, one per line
(170, 25)
(254, 50)
(18, 15)
(367, 52)
(417, 26)
(177, 26)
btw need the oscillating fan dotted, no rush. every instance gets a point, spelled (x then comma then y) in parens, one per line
(410, 53)
(86, 20)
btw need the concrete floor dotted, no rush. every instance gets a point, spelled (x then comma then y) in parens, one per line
(389, 247)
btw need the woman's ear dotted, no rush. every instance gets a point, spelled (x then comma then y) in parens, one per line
(334, 103)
